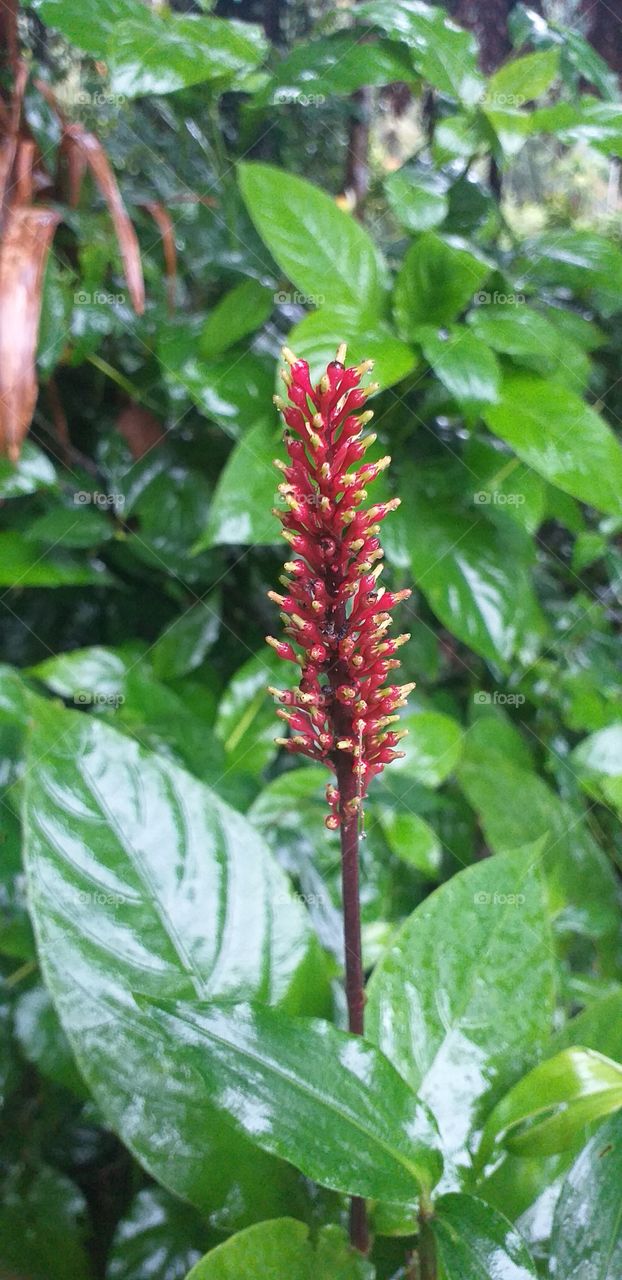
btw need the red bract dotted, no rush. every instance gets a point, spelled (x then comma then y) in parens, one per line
(335, 613)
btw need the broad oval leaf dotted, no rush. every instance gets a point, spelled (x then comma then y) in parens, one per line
(282, 1250)
(141, 880)
(560, 436)
(435, 282)
(475, 1242)
(438, 1000)
(466, 366)
(322, 250)
(432, 748)
(587, 1227)
(313, 338)
(326, 1101)
(545, 1111)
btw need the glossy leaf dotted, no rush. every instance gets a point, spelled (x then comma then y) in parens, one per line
(581, 884)
(411, 839)
(241, 514)
(474, 1242)
(598, 762)
(142, 881)
(325, 1101)
(442, 52)
(31, 473)
(432, 748)
(313, 338)
(467, 368)
(245, 721)
(475, 577)
(323, 251)
(523, 79)
(548, 1108)
(151, 53)
(336, 65)
(587, 1227)
(238, 313)
(184, 644)
(561, 437)
(436, 281)
(160, 1235)
(516, 330)
(281, 1250)
(438, 999)
(23, 564)
(418, 200)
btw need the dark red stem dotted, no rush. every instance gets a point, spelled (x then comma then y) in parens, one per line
(355, 976)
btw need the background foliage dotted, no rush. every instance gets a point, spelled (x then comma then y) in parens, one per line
(178, 878)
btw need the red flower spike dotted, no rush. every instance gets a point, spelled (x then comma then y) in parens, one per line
(333, 611)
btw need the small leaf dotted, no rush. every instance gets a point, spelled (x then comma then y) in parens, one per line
(436, 281)
(546, 1111)
(418, 200)
(241, 514)
(323, 1100)
(467, 368)
(587, 1227)
(475, 1242)
(185, 642)
(523, 79)
(432, 748)
(239, 312)
(281, 1250)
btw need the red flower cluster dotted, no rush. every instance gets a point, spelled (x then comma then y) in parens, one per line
(333, 610)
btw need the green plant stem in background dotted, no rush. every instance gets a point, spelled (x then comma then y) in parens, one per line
(355, 977)
(426, 1246)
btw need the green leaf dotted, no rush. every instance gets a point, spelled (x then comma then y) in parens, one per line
(141, 880)
(436, 281)
(186, 641)
(583, 261)
(91, 25)
(438, 1000)
(432, 748)
(418, 200)
(547, 1109)
(161, 51)
(442, 52)
(246, 722)
(43, 1042)
(523, 79)
(561, 437)
(598, 762)
(515, 329)
(411, 839)
(323, 1100)
(334, 66)
(43, 1226)
(239, 312)
(313, 338)
(475, 576)
(322, 250)
(159, 1236)
(32, 472)
(465, 365)
(502, 482)
(582, 887)
(587, 1227)
(241, 513)
(475, 1242)
(281, 1250)
(234, 390)
(23, 564)
(74, 527)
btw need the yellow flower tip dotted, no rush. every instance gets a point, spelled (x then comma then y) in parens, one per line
(383, 463)
(279, 464)
(318, 421)
(288, 355)
(324, 384)
(281, 742)
(363, 419)
(286, 377)
(366, 366)
(407, 688)
(342, 351)
(345, 744)
(371, 389)
(276, 693)
(315, 440)
(279, 402)
(274, 595)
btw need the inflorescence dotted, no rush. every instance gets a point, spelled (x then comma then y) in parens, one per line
(335, 614)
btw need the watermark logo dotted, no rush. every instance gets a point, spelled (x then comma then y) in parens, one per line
(98, 299)
(499, 899)
(92, 698)
(98, 99)
(484, 497)
(498, 699)
(493, 100)
(82, 498)
(300, 299)
(289, 96)
(97, 898)
(504, 299)
(306, 899)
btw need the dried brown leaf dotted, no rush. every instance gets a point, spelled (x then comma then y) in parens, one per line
(140, 429)
(26, 240)
(164, 223)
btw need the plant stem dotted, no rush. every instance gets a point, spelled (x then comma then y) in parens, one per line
(355, 977)
(426, 1247)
